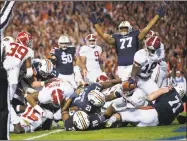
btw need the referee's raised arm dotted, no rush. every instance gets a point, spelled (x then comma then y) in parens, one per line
(5, 15)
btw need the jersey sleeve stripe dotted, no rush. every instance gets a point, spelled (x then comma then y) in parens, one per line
(137, 64)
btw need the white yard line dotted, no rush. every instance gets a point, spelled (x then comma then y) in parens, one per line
(46, 134)
(183, 139)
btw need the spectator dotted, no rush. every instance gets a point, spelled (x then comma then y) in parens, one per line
(48, 20)
(180, 79)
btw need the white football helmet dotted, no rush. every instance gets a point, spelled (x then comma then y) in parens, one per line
(81, 120)
(91, 40)
(96, 98)
(63, 42)
(45, 68)
(125, 27)
(181, 91)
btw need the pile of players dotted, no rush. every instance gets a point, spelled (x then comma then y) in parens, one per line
(76, 90)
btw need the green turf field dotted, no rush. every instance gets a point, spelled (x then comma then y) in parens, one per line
(124, 133)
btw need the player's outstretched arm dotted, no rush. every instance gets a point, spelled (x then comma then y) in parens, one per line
(99, 30)
(110, 83)
(160, 13)
(156, 94)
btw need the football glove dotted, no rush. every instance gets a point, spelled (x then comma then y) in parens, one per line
(160, 11)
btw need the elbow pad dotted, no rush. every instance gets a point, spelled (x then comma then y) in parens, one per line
(29, 73)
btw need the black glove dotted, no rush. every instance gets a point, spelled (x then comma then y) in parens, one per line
(93, 18)
(160, 11)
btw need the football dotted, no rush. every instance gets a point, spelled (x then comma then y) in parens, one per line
(127, 86)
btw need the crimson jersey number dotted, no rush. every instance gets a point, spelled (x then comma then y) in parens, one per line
(96, 53)
(17, 51)
(30, 114)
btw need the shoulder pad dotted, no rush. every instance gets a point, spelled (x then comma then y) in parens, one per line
(140, 57)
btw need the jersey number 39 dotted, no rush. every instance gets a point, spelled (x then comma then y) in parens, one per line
(17, 51)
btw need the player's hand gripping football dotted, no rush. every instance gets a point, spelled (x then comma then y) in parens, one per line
(129, 85)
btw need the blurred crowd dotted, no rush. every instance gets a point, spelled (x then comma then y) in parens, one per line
(46, 21)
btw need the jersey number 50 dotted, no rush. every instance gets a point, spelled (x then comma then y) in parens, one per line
(66, 58)
(17, 51)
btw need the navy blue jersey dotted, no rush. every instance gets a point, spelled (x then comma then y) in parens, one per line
(64, 63)
(126, 46)
(54, 73)
(82, 100)
(96, 122)
(168, 106)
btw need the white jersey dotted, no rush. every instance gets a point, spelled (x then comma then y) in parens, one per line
(44, 96)
(92, 56)
(32, 118)
(16, 54)
(147, 63)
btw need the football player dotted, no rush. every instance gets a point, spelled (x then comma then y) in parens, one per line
(42, 72)
(81, 120)
(55, 92)
(65, 59)
(29, 120)
(17, 53)
(126, 41)
(145, 60)
(166, 108)
(90, 55)
(160, 72)
(91, 99)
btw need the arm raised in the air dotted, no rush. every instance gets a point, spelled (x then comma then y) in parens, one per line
(160, 13)
(108, 38)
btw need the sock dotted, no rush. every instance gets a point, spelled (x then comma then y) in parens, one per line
(27, 129)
